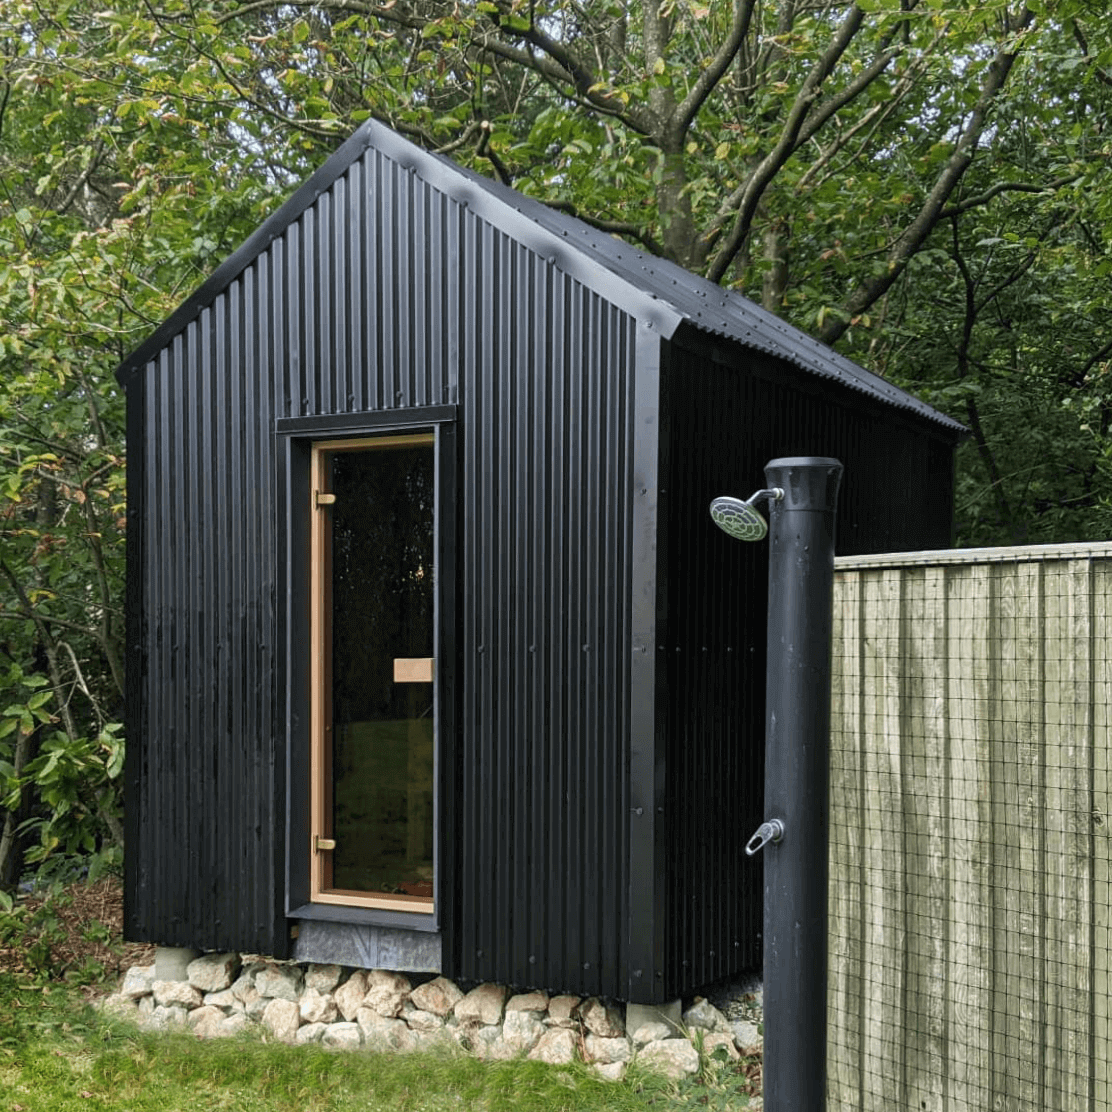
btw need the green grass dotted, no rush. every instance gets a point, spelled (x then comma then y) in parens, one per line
(57, 1055)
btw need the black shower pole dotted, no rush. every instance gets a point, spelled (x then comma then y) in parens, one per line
(797, 777)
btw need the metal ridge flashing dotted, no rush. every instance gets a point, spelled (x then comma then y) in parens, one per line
(1016, 554)
(653, 290)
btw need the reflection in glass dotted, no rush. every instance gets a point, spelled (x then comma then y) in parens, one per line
(382, 607)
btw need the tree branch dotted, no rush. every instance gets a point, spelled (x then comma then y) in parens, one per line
(1004, 187)
(916, 233)
(749, 195)
(707, 81)
(969, 320)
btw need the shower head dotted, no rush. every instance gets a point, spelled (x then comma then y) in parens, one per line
(739, 519)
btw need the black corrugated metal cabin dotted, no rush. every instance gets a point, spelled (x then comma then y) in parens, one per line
(434, 652)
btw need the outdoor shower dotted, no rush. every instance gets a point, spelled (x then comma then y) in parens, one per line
(802, 494)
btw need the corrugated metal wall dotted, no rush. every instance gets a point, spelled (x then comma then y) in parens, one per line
(383, 295)
(544, 634)
(726, 423)
(204, 772)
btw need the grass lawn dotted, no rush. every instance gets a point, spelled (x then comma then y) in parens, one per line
(58, 1054)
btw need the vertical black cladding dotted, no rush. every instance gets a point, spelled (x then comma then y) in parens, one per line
(544, 627)
(205, 858)
(442, 302)
(726, 422)
(389, 288)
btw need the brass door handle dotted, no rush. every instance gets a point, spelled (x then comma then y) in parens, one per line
(322, 844)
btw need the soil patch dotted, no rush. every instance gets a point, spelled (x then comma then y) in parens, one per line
(75, 934)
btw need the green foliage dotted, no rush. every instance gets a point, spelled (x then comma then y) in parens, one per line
(57, 1053)
(924, 184)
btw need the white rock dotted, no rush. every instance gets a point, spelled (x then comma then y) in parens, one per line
(282, 1018)
(703, 1014)
(712, 1040)
(608, 1050)
(180, 994)
(138, 981)
(482, 1005)
(653, 1031)
(255, 1007)
(747, 1037)
(243, 986)
(675, 1058)
(213, 972)
(386, 992)
(438, 996)
(601, 1019)
(279, 982)
(522, 1031)
(350, 995)
(561, 1011)
(610, 1071)
(324, 978)
(204, 1013)
(233, 1024)
(225, 999)
(311, 1032)
(146, 1006)
(418, 1020)
(342, 1036)
(163, 1016)
(207, 1022)
(381, 1032)
(317, 1007)
(556, 1046)
(432, 1040)
(528, 1002)
(487, 1043)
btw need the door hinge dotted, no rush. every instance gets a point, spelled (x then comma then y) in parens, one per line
(321, 845)
(321, 498)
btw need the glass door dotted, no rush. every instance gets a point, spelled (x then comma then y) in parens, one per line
(373, 700)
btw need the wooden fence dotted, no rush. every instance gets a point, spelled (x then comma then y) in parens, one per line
(969, 865)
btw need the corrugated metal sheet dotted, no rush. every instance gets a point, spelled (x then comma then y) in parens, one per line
(726, 423)
(711, 308)
(591, 799)
(202, 769)
(544, 628)
(368, 301)
(599, 260)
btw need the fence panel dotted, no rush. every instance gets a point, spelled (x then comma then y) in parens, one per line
(970, 861)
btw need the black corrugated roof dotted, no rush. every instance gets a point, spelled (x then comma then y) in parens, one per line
(596, 257)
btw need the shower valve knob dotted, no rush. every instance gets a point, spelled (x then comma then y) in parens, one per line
(771, 831)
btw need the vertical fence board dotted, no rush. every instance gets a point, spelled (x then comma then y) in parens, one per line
(926, 832)
(1017, 835)
(844, 974)
(1068, 856)
(969, 1018)
(883, 1027)
(1102, 694)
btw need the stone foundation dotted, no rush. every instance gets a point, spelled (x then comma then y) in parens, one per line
(381, 1010)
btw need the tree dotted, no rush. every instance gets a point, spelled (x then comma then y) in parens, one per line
(918, 181)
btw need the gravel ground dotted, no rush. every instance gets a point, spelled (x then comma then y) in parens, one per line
(738, 999)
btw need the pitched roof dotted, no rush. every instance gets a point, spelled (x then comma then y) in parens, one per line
(651, 286)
